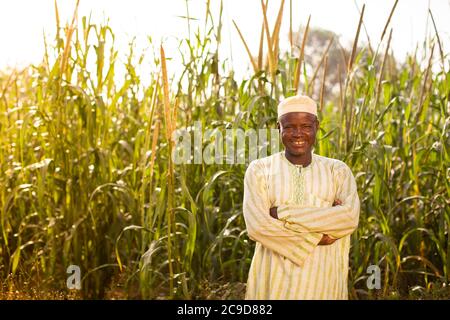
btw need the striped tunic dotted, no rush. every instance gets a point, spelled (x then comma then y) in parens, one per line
(288, 263)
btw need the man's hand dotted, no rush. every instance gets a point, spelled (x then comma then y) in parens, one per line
(273, 212)
(326, 241)
(337, 202)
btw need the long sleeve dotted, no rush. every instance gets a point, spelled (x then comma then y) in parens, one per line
(337, 221)
(272, 233)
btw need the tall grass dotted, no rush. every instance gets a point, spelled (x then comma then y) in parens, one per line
(87, 178)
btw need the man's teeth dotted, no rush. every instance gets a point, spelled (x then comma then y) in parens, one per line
(299, 143)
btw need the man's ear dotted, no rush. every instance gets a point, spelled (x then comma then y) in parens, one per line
(278, 125)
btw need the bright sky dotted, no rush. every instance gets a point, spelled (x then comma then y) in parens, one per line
(22, 22)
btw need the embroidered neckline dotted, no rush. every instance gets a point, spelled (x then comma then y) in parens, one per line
(296, 166)
(298, 181)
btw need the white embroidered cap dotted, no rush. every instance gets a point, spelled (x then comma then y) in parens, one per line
(297, 103)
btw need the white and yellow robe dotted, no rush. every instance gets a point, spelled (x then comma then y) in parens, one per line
(288, 263)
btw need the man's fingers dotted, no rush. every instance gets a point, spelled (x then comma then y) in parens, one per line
(273, 212)
(337, 202)
(326, 240)
(323, 241)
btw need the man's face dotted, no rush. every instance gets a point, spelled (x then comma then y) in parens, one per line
(298, 132)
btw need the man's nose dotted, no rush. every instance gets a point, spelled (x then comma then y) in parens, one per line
(297, 132)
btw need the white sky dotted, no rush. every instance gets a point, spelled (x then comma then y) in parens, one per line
(22, 22)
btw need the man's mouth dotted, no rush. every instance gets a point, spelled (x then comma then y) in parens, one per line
(299, 143)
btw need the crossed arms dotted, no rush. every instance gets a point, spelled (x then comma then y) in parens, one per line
(326, 239)
(298, 230)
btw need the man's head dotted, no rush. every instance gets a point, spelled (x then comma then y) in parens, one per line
(298, 124)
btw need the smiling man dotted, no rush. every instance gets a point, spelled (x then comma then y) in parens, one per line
(301, 209)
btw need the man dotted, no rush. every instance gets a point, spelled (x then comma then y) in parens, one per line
(301, 209)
